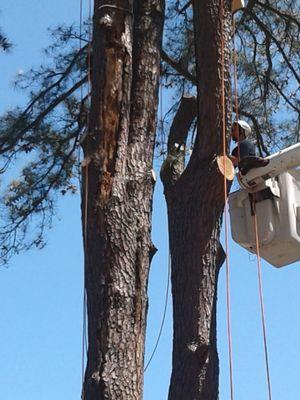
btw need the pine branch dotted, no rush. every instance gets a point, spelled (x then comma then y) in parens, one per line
(178, 67)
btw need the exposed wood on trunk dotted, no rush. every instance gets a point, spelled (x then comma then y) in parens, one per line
(119, 152)
(226, 167)
(195, 201)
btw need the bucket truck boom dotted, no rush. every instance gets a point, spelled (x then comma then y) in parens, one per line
(280, 162)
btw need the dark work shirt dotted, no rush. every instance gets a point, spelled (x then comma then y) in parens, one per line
(247, 149)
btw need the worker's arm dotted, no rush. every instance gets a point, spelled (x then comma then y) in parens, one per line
(234, 160)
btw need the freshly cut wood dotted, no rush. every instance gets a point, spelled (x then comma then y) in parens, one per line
(237, 5)
(226, 168)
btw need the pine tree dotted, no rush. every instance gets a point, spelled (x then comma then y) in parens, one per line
(118, 162)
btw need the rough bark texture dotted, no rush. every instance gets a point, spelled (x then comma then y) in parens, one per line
(195, 200)
(118, 154)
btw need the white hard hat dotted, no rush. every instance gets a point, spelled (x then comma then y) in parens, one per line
(245, 126)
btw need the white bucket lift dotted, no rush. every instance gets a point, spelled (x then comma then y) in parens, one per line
(277, 188)
(282, 161)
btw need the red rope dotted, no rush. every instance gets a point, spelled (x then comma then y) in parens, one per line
(228, 300)
(261, 299)
(89, 58)
(236, 96)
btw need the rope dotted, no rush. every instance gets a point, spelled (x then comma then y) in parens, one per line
(193, 135)
(83, 350)
(162, 127)
(228, 300)
(236, 96)
(85, 190)
(89, 59)
(163, 317)
(261, 301)
(84, 335)
(163, 151)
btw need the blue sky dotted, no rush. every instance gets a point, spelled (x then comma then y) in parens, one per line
(41, 292)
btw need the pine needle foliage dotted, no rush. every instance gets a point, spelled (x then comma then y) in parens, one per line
(41, 141)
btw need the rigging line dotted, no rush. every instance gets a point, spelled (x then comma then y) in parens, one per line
(87, 165)
(163, 317)
(223, 106)
(162, 127)
(88, 125)
(164, 152)
(261, 300)
(85, 187)
(194, 135)
(89, 59)
(84, 339)
(236, 96)
(80, 44)
(81, 187)
(81, 93)
(81, 87)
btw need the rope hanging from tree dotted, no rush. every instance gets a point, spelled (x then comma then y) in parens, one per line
(255, 227)
(235, 74)
(84, 186)
(163, 152)
(163, 317)
(261, 299)
(224, 148)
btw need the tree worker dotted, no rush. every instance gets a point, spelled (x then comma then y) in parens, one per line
(240, 133)
(243, 155)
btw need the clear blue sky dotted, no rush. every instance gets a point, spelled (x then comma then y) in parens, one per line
(41, 292)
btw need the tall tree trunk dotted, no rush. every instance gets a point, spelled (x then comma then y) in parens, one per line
(195, 200)
(117, 200)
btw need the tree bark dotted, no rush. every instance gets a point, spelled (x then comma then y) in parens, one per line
(117, 195)
(195, 201)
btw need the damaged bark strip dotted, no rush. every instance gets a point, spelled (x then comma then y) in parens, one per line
(195, 201)
(118, 154)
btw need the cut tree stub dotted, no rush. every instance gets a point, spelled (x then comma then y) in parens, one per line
(226, 167)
